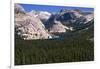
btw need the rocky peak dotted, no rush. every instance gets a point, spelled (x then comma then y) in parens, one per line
(42, 15)
(18, 9)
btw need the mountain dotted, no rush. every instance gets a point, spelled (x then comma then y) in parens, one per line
(29, 27)
(46, 25)
(68, 20)
(55, 26)
(75, 19)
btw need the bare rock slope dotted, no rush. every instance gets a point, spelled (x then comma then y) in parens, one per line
(27, 26)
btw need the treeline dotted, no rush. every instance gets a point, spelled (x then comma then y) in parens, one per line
(74, 47)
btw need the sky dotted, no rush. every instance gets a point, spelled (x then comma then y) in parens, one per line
(51, 8)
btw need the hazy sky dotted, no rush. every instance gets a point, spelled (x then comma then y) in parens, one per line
(51, 8)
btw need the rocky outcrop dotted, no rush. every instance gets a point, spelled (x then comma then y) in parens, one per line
(18, 9)
(42, 15)
(29, 27)
(58, 27)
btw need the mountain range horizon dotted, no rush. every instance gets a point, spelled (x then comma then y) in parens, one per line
(43, 24)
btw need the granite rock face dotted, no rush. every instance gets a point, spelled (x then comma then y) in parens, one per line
(29, 27)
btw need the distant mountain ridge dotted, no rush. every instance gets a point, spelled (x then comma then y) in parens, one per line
(43, 24)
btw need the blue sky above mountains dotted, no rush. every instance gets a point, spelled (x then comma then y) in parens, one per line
(51, 8)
